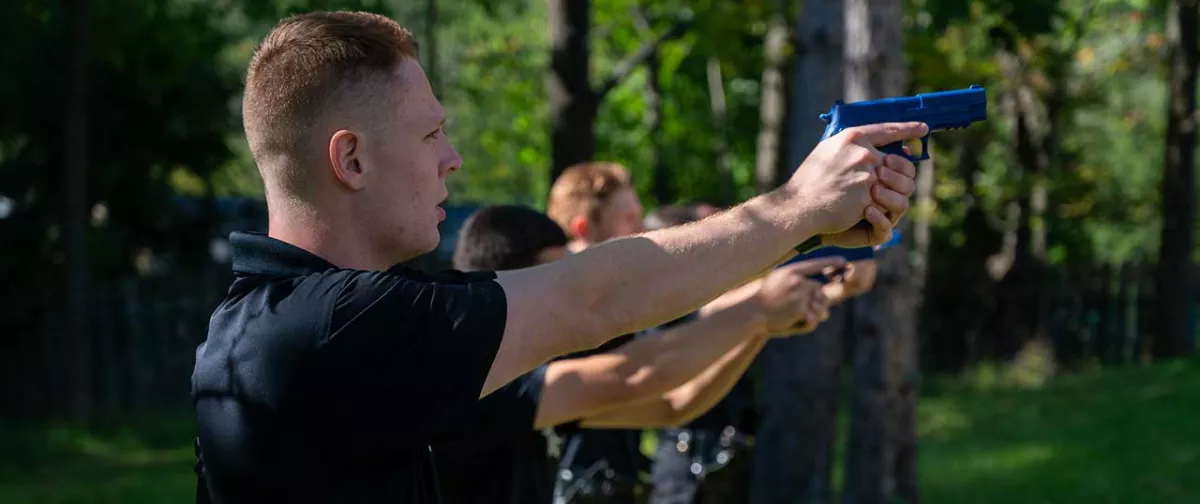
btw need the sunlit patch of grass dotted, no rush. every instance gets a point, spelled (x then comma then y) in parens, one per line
(1118, 435)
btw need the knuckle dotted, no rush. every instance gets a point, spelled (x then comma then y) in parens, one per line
(865, 156)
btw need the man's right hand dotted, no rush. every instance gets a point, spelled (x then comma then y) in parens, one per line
(847, 179)
(789, 300)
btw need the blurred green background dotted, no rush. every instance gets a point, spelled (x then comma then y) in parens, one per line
(1049, 256)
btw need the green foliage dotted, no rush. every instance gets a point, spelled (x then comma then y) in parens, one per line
(492, 62)
(1102, 60)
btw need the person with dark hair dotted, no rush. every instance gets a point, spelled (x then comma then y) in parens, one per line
(508, 237)
(330, 369)
(664, 378)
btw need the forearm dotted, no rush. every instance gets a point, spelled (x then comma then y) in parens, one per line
(648, 367)
(705, 391)
(731, 297)
(689, 401)
(628, 284)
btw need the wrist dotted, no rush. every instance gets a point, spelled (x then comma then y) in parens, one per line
(798, 218)
(751, 317)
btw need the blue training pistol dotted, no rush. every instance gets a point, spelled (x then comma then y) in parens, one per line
(941, 111)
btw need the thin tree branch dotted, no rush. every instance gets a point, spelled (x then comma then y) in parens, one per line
(627, 66)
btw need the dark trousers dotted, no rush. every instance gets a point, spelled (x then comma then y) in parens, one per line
(688, 469)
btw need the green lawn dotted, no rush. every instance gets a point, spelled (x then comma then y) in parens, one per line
(1126, 436)
(1119, 436)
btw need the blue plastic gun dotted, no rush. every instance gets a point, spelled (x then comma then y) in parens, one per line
(942, 110)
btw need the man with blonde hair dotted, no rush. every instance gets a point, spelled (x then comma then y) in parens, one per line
(329, 371)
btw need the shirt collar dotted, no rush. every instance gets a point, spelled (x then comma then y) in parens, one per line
(259, 254)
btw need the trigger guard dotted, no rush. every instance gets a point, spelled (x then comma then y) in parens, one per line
(898, 149)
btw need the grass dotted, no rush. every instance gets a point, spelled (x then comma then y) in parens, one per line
(147, 461)
(1127, 436)
(1124, 435)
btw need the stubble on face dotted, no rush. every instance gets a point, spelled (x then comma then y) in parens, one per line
(409, 153)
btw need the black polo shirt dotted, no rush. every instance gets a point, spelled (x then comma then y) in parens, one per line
(504, 461)
(326, 384)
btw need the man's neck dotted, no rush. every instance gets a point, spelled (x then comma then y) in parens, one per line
(322, 236)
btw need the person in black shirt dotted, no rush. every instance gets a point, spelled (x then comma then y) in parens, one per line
(688, 369)
(595, 202)
(710, 458)
(328, 372)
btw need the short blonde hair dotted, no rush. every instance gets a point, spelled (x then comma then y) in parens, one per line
(313, 63)
(583, 190)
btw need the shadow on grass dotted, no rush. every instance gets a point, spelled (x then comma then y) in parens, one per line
(1127, 436)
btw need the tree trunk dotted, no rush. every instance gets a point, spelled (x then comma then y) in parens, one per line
(772, 103)
(77, 347)
(661, 186)
(922, 217)
(802, 375)
(716, 93)
(1174, 289)
(793, 456)
(573, 102)
(431, 57)
(881, 456)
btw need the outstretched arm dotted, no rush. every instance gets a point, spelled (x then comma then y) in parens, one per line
(629, 284)
(646, 367)
(688, 401)
(692, 364)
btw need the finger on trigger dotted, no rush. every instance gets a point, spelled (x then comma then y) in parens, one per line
(889, 133)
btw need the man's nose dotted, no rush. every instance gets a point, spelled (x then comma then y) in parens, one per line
(452, 162)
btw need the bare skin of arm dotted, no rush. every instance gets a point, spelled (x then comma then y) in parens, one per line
(689, 401)
(629, 284)
(685, 364)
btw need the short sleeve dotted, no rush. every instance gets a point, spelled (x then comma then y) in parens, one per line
(407, 354)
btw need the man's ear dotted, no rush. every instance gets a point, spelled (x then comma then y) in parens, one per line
(578, 227)
(345, 150)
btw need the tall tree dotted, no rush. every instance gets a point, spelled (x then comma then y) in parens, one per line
(77, 347)
(771, 109)
(1178, 183)
(661, 186)
(881, 456)
(802, 376)
(720, 113)
(574, 102)
(430, 42)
